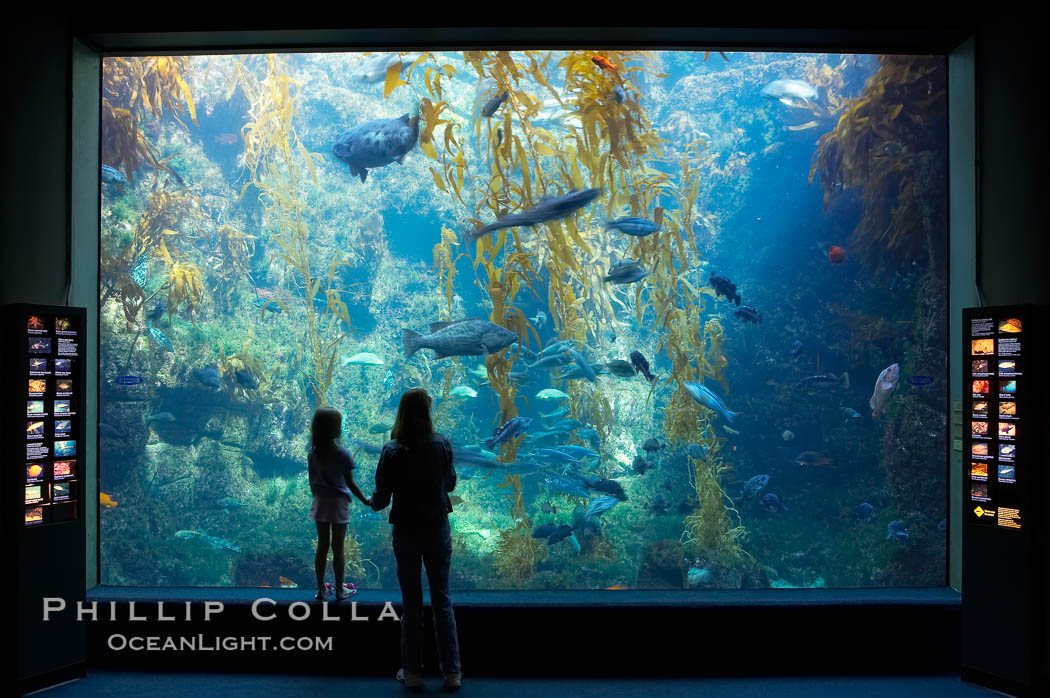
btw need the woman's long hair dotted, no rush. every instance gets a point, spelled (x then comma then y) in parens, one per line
(327, 426)
(413, 424)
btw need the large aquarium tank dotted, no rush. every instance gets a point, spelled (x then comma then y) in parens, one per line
(682, 314)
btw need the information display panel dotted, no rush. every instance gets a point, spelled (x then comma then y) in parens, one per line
(52, 380)
(996, 391)
(1005, 414)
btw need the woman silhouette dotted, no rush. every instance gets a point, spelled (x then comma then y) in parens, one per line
(415, 468)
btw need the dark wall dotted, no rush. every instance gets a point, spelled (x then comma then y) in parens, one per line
(34, 213)
(1014, 243)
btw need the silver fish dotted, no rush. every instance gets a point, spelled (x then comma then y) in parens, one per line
(885, 386)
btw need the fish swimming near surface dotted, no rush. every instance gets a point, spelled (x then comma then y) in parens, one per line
(604, 63)
(469, 337)
(724, 287)
(373, 69)
(626, 271)
(641, 365)
(793, 93)
(489, 108)
(885, 386)
(824, 381)
(633, 225)
(376, 143)
(748, 314)
(709, 400)
(554, 208)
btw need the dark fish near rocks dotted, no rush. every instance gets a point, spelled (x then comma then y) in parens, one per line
(470, 337)
(724, 287)
(606, 485)
(246, 379)
(640, 465)
(747, 313)
(549, 210)
(207, 375)
(376, 143)
(641, 365)
(652, 445)
(865, 512)
(896, 532)
(771, 502)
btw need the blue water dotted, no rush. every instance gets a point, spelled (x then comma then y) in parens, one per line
(766, 231)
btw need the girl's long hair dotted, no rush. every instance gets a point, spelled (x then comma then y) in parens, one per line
(326, 427)
(413, 424)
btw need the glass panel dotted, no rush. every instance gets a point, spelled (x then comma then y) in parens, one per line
(708, 296)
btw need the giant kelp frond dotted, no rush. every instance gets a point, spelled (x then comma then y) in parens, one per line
(280, 167)
(132, 88)
(884, 145)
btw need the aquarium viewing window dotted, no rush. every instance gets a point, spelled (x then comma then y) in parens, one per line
(705, 298)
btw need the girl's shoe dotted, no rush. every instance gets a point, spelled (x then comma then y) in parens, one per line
(348, 590)
(411, 681)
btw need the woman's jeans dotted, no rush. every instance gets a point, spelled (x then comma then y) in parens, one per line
(432, 546)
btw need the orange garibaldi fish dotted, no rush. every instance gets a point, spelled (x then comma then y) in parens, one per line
(603, 62)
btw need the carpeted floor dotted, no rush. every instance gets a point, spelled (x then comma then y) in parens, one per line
(104, 683)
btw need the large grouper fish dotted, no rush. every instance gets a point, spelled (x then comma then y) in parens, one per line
(470, 337)
(547, 210)
(376, 143)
